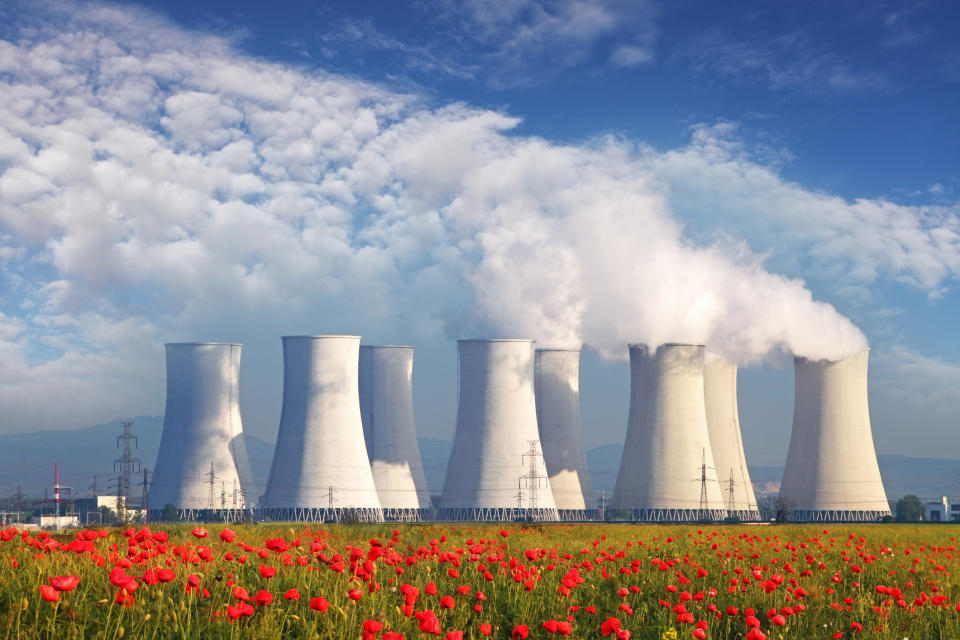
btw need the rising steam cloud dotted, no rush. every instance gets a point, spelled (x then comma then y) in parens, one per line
(154, 182)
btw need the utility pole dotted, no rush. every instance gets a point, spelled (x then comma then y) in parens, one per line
(211, 480)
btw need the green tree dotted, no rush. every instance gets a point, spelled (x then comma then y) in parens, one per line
(909, 509)
(170, 513)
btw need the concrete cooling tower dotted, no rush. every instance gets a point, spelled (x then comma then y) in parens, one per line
(320, 470)
(832, 472)
(202, 467)
(556, 376)
(496, 469)
(667, 473)
(723, 423)
(386, 408)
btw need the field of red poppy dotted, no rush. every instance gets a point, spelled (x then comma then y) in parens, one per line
(474, 581)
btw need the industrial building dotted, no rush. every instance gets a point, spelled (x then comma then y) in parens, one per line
(202, 467)
(723, 423)
(386, 409)
(320, 470)
(557, 390)
(831, 472)
(496, 470)
(667, 472)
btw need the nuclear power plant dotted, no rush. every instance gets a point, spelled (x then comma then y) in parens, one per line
(347, 447)
(496, 469)
(557, 390)
(202, 467)
(667, 472)
(320, 470)
(723, 423)
(832, 472)
(386, 408)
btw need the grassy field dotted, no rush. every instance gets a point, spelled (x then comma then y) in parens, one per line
(476, 581)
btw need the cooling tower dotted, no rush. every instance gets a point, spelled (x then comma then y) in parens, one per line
(496, 469)
(320, 469)
(832, 472)
(723, 423)
(386, 407)
(556, 376)
(667, 471)
(202, 467)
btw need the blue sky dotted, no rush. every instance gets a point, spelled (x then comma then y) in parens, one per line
(764, 177)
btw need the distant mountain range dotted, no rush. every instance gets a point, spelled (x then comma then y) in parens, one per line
(26, 459)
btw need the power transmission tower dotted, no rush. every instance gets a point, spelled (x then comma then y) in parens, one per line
(223, 495)
(532, 477)
(704, 501)
(603, 504)
(126, 464)
(731, 503)
(18, 501)
(330, 499)
(235, 492)
(93, 488)
(211, 480)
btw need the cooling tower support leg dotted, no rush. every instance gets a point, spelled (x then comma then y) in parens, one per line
(336, 514)
(678, 515)
(837, 516)
(506, 514)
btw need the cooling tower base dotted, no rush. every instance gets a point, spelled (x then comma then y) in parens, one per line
(677, 515)
(336, 514)
(828, 515)
(744, 515)
(578, 515)
(201, 515)
(407, 515)
(494, 514)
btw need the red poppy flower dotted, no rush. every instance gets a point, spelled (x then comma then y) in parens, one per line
(520, 632)
(48, 593)
(64, 583)
(486, 628)
(199, 532)
(228, 536)
(291, 594)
